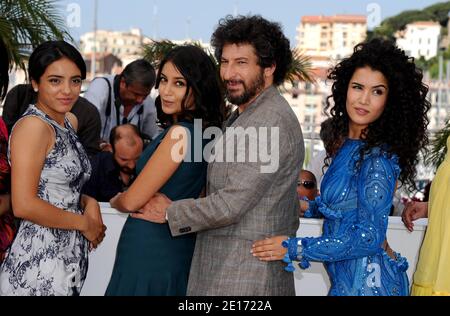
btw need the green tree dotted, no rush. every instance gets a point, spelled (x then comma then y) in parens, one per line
(438, 143)
(437, 12)
(24, 24)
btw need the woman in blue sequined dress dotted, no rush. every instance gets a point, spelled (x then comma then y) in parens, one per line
(379, 117)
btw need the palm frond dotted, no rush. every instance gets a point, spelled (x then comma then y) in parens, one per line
(155, 51)
(301, 68)
(24, 24)
(438, 147)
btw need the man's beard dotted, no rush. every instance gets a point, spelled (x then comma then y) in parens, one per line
(249, 93)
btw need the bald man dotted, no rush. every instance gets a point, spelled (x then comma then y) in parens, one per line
(113, 171)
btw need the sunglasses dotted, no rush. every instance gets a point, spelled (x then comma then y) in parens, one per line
(307, 184)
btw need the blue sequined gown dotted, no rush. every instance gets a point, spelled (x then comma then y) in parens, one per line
(355, 203)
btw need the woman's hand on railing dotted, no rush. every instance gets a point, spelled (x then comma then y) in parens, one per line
(413, 211)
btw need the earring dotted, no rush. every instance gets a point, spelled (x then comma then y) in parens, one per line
(36, 90)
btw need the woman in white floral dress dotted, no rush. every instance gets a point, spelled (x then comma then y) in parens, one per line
(48, 167)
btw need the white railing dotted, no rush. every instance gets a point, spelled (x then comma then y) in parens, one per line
(313, 281)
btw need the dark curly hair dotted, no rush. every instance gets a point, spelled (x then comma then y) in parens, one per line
(202, 77)
(401, 129)
(267, 38)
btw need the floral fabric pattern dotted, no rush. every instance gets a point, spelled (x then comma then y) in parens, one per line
(44, 261)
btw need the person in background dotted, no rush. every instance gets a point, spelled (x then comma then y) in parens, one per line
(125, 98)
(379, 110)
(7, 225)
(114, 171)
(48, 167)
(307, 185)
(270, 249)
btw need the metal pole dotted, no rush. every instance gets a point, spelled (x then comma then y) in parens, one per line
(446, 90)
(94, 51)
(439, 101)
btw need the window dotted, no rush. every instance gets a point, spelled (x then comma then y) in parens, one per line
(307, 124)
(310, 107)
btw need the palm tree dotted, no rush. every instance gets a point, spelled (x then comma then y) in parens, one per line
(24, 24)
(438, 144)
(300, 69)
(155, 51)
(4, 67)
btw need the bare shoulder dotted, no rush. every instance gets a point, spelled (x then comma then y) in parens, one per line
(31, 125)
(31, 132)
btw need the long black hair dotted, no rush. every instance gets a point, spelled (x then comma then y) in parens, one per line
(401, 128)
(51, 51)
(202, 79)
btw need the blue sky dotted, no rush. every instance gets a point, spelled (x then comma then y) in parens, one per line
(197, 18)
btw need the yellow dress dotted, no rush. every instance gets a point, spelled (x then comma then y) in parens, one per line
(432, 276)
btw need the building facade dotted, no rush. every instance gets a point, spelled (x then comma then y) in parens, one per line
(333, 37)
(120, 44)
(420, 39)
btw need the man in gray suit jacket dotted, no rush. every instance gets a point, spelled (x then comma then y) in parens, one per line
(249, 197)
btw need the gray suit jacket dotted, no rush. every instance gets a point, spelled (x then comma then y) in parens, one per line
(243, 205)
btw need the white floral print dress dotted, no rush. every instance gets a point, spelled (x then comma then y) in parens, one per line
(44, 261)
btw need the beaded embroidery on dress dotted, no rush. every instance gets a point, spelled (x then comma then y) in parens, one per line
(355, 203)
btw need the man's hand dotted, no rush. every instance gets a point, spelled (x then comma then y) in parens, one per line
(155, 209)
(413, 211)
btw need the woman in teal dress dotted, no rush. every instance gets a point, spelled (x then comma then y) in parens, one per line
(173, 164)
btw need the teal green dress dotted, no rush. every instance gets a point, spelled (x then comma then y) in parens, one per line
(149, 261)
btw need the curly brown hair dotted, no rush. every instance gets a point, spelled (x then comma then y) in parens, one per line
(401, 129)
